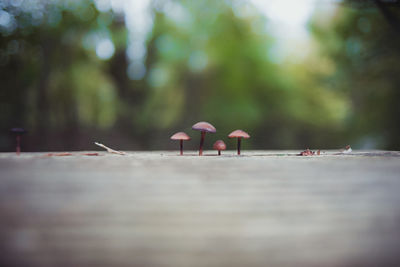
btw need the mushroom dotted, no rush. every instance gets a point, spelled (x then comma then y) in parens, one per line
(180, 136)
(18, 132)
(239, 134)
(204, 127)
(219, 145)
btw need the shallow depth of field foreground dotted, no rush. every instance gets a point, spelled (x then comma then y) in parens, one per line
(159, 209)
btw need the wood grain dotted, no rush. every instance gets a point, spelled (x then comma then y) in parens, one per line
(158, 209)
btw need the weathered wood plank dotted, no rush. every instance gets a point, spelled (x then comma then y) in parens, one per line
(159, 209)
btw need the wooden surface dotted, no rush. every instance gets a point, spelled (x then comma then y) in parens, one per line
(158, 209)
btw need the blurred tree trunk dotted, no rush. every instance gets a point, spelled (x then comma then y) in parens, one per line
(131, 95)
(42, 100)
(392, 20)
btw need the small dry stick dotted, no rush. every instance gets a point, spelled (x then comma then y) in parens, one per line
(110, 150)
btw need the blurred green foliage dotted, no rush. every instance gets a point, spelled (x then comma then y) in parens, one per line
(362, 43)
(208, 64)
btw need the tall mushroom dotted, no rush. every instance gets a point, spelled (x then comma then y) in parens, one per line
(219, 145)
(180, 136)
(204, 127)
(239, 134)
(18, 132)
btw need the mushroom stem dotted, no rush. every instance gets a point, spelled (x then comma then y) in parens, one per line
(219, 152)
(181, 146)
(18, 148)
(238, 145)
(203, 134)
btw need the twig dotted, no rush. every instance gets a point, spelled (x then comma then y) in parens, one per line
(110, 150)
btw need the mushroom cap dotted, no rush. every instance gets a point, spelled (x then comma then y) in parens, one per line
(18, 130)
(180, 136)
(219, 145)
(204, 127)
(239, 134)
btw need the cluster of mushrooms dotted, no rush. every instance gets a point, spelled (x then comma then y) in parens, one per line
(205, 127)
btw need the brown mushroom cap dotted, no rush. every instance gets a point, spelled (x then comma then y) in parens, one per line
(180, 136)
(219, 145)
(204, 127)
(239, 133)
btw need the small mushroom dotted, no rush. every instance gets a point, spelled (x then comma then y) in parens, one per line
(204, 127)
(180, 136)
(219, 145)
(239, 134)
(18, 132)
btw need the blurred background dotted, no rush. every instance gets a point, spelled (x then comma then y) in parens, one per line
(130, 73)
